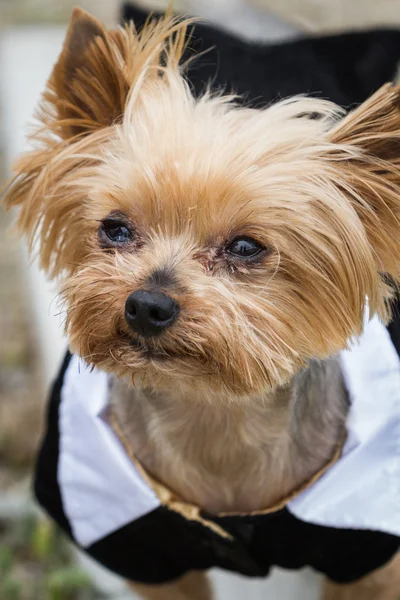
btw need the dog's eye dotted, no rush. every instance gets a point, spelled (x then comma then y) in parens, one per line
(244, 248)
(116, 231)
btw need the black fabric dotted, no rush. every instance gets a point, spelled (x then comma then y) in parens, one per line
(344, 68)
(394, 326)
(163, 545)
(46, 487)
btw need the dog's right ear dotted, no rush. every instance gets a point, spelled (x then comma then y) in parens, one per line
(90, 83)
(87, 93)
(88, 86)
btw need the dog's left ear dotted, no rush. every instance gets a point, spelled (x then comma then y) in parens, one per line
(367, 163)
(88, 86)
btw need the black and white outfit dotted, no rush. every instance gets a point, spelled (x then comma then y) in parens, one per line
(344, 525)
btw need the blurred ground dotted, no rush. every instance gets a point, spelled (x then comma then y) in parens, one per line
(20, 416)
(312, 15)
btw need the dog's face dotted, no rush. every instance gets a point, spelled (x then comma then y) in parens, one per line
(202, 245)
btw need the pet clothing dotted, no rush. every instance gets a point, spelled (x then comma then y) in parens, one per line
(345, 524)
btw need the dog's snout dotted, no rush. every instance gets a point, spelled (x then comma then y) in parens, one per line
(149, 313)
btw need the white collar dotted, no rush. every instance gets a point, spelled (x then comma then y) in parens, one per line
(362, 489)
(100, 487)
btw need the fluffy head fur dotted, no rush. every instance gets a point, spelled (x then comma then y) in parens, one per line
(122, 133)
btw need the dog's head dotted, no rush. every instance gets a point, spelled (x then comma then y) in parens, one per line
(202, 244)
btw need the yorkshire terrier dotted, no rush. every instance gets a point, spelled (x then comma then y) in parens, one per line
(233, 397)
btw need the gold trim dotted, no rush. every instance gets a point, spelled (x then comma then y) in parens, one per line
(192, 512)
(167, 497)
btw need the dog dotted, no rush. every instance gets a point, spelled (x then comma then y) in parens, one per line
(232, 397)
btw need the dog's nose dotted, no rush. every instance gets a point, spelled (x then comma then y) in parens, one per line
(150, 313)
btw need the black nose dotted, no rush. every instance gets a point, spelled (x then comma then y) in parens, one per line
(149, 313)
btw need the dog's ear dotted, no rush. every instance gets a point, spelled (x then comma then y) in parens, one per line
(367, 164)
(87, 93)
(88, 86)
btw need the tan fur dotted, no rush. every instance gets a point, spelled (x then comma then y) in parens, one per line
(264, 173)
(190, 175)
(121, 132)
(194, 586)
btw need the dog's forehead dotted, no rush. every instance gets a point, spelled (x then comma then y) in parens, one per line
(172, 200)
(209, 181)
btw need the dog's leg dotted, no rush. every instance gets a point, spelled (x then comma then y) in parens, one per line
(193, 586)
(383, 584)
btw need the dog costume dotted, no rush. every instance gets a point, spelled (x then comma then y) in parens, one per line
(345, 523)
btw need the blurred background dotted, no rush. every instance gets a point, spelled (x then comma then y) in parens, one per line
(35, 562)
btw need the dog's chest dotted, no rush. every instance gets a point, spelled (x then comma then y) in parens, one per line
(227, 459)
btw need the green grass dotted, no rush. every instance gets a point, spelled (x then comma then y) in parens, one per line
(35, 564)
